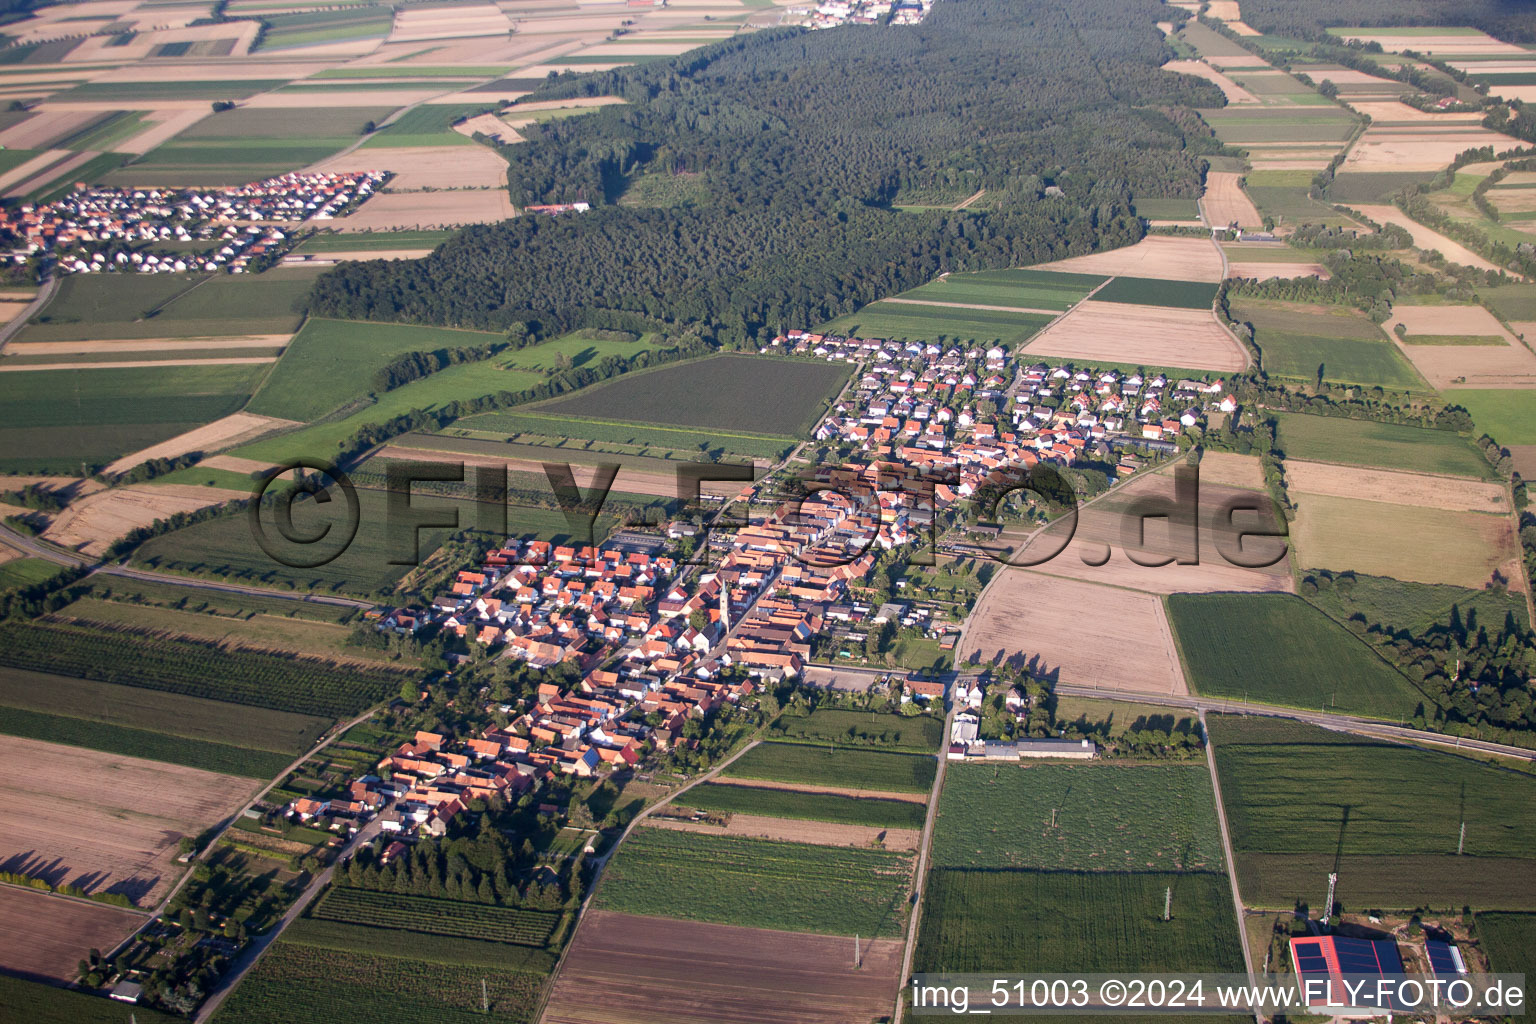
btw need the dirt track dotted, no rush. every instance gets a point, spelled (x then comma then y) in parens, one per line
(795, 830)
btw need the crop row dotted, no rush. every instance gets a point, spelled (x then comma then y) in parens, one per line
(921, 733)
(437, 917)
(176, 665)
(791, 803)
(852, 769)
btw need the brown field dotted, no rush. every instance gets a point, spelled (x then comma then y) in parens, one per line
(117, 364)
(1234, 93)
(647, 970)
(1165, 257)
(1450, 43)
(1405, 542)
(1510, 365)
(1513, 200)
(225, 433)
(115, 345)
(1447, 320)
(423, 210)
(39, 130)
(1228, 469)
(1073, 632)
(45, 936)
(1524, 457)
(1264, 271)
(412, 25)
(389, 96)
(629, 480)
(1121, 332)
(27, 171)
(1390, 111)
(794, 830)
(233, 464)
(1108, 528)
(92, 523)
(488, 125)
(320, 260)
(805, 787)
(1226, 203)
(1423, 237)
(1453, 494)
(1524, 329)
(1344, 78)
(417, 167)
(103, 822)
(1418, 149)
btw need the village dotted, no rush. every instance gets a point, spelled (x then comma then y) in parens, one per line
(243, 229)
(832, 13)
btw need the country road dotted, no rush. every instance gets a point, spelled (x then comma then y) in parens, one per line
(1231, 860)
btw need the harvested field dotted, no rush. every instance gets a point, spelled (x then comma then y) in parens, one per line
(1074, 632)
(1441, 492)
(1418, 149)
(1165, 257)
(441, 22)
(42, 935)
(390, 211)
(1119, 332)
(1393, 111)
(28, 170)
(1423, 237)
(418, 167)
(489, 125)
(105, 823)
(343, 255)
(91, 524)
(1509, 365)
(116, 345)
(820, 833)
(1108, 527)
(649, 970)
(1459, 42)
(225, 433)
(1264, 270)
(630, 480)
(1229, 469)
(1235, 93)
(40, 130)
(807, 787)
(1524, 456)
(119, 364)
(1226, 203)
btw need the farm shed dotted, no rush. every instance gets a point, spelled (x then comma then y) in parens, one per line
(1331, 958)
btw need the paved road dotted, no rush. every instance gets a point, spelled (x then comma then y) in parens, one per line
(1226, 846)
(31, 309)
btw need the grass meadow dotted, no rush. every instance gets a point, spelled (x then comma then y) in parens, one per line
(758, 883)
(724, 798)
(904, 322)
(1380, 445)
(1509, 416)
(1385, 539)
(1032, 289)
(918, 733)
(875, 771)
(1277, 649)
(1296, 340)
(1302, 801)
(636, 438)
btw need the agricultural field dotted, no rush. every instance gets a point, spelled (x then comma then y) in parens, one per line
(1059, 817)
(714, 970)
(1115, 718)
(1147, 291)
(46, 1004)
(1277, 649)
(1509, 416)
(917, 733)
(1381, 445)
(1415, 606)
(436, 916)
(1037, 289)
(619, 438)
(722, 798)
(1301, 800)
(909, 320)
(846, 768)
(386, 241)
(1120, 332)
(1299, 341)
(729, 392)
(1164, 257)
(983, 921)
(1462, 347)
(106, 823)
(42, 936)
(757, 883)
(1508, 939)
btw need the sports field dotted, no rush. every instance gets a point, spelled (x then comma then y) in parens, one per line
(1388, 816)
(1277, 649)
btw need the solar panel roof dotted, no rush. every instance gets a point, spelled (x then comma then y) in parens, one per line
(1441, 959)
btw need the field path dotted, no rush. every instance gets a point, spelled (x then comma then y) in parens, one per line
(1226, 847)
(962, 204)
(973, 305)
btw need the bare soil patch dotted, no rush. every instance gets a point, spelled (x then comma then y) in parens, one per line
(1165, 257)
(647, 970)
(805, 787)
(91, 524)
(1074, 632)
(1453, 494)
(46, 936)
(225, 433)
(794, 830)
(103, 822)
(1147, 335)
(1226, 203)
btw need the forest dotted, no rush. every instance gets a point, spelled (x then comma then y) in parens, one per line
(1509, 20)
(803, 143)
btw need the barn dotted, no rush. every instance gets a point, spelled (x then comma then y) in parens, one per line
(1322, 962)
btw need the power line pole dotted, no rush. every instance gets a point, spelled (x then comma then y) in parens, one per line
(857, 962)
(1463, 840)
(485, 998)
(1168, 904)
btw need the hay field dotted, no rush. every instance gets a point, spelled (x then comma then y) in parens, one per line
(1119, 332)
(430, 21)
(1506, 365)
(45, 936)
(104, 822)
(1074, 632)
(1165, 257)
(1234, 93)
(91, 524)
(1393, 111)
(1423, 237)
(1226, 203)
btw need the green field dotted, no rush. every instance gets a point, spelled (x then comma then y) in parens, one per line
(39, 1003)
(1149, 292)
(721, 798)
(919, 733)
(26, 572)
(1300, 799)
(1509, 417)
(57, 419)
(903, 322)
(1370, 187)
(1297, 340)
(558, 431)
(1383, 445)
(1511, 301)
(1030, 289)
(1416, 607)
(306, 28)
(1107, 818)
(330, 363)
(758, 883)
(1509, 940)
(1290, 204)
(726, 392)
(305, 686)
(358, 987)
(430, 124)
(1277, 649)
(154, 746)
(222, 89)
(324, 242)
(436, 916)
(844, 768)
(984, 921)
(1168, 209)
